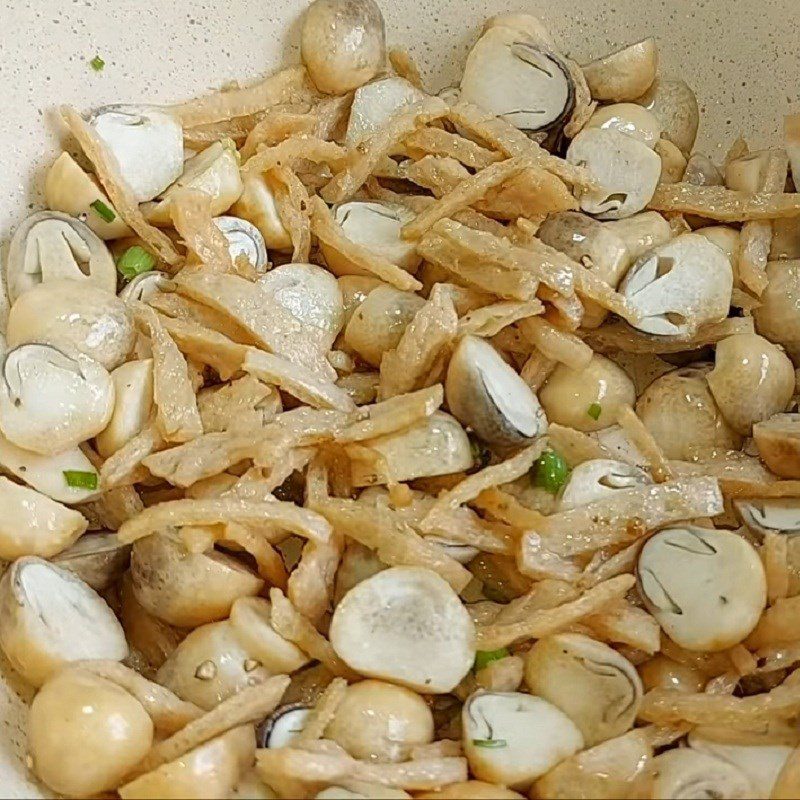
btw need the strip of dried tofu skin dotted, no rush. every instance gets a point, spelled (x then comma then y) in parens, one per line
(489, 320)
(243, 404)
(308, 148)
(177, 416)
(124, 467)
(191, 216)
(438, 142)
(724, 205)
(292, 201)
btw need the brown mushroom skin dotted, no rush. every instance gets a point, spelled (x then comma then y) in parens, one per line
(778, 443)
(778, 316)
(674, 105)
(625, 74)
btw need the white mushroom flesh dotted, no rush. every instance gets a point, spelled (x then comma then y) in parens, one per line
(686, 774)
(715, 612)
(641, 232)
(244, 240)
(145, 286)
(285, 725)
(628, 118)
(257, 205)
(133, 402)
(98, 559)
(598, 479)
(375, 104)
(770, 515)
(727, 239)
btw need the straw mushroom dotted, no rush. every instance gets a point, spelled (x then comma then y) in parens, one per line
(486, 394)
(244, 239)
(147, 144)
(377, 721)
(746, 174)
(515, 76)
(377, 227)
(630, 119)
(512, 738)
(405, 625)
(50, 246)
(343, 43)
(133, 402)
(770, 515)
(680, 412)
(587, 399)
(67, 188)
(375, 103)
(661, 672)
(625, 74)
(214, 171)
(50, 402)
(674, 105)
(256, 205)
(752, 379)
(187, 589)
(361, 790)
(686, 774)
(727, 239)
(73, 317)
(679, 286)
(49, 617)
(705, 587)
(145, 286)
(210, 665)
(777, 317)
(596, 687)
(98, 559)
(86, 733)
(626, 170)
(702, 171)
(641, 232)
(471, 790)
(436, 445)
(778, 443)
(597, 479)
(673, 162)
(283, 726)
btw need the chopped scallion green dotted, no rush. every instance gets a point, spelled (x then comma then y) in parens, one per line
(134, 261)
(490, 742)
(97, 64)
(550, 471)
(485, 657)
(594, 411)
(103, 211)
(80, 480)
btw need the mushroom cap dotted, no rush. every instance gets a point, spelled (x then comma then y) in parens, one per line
(355, 289)
(641, 232)
(147, 144)
(686, 774)
(283, 725)
(626, 170)
(244, 239)
(144, 286)
(770, 515)
(628, 118)
(679, 286)
(517, 77)
(49, 401)
(674, 105)
(51, 246)
(98, 559)
(405, 625)
(486, 394)
(532, 736)
(374, 104)
(598, 479)
(777, 317)
(257, 205)
(661, 672)
(471, 790)
(706, 587)
(752, 379)
(73, 317)
(727, 239)
(596, 687)
(343, 43)
(625, 74)
(778, 443)
(702, 171)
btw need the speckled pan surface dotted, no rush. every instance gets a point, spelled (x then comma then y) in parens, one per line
(741, 56)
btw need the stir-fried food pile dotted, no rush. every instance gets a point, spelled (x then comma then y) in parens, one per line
(365, 442)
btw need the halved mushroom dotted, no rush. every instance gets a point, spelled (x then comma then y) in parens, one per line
(343, 43)
(355, 289)
(641, 232)
(377, 227)
(470, 790)
(625, 74)
(85, 734)
(592, 244)
(673, 162)
(686, 774)
(587, 399)
(187, 589)
(214, 171)
(210, 665)
(377, 721)
(679, 286)
(486, 394)
(69, 189)
(211, 770)
(463, 553)
(50, 402)
(630, 119)
(777, 317)
(752, 379)
(626, 171)
(714, 613)
(33, 524)
(98, 559)
(244, 239)
(778, 443)
(377, 325)
(770, 515)
(598, 479)
(596, 687)
(49, 617)
(147, 144)
(361, 790)
(283, 726)
(51, 246)
(702, 171)
(73, 317)
(674, 105)
(374, 104)
(661, 672)
(257, 206)
(512, 738)
(436, 445)
(746, 174)
(727, 239)
(515, 76)
(680, 412)
(408, 626)
(133, 402)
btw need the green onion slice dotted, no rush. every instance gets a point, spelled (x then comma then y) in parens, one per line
(485, 657)
(103, 211)
(97, 64)
(594, 411)
(80, 480)
(135, 261)
(550, 471)
(490, 742)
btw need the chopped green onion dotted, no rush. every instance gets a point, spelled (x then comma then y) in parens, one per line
(485, 657)
(80, 480)
(594, 411)
(103, 211)
(97, 64)
(135, 261)
(550, 471)
(490, 742)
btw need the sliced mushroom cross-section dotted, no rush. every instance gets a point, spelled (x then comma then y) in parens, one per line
(244, 239)
(598, 479)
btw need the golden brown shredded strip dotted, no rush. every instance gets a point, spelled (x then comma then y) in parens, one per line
(776, 554)
(489, 320)
(191, 215)
(404, 66)
(323, 712)
(556, 344)
(292, 201)
(761, 489)
(310, 586)
(643, 440)
(438, 142)
(118, 191)
(300, 146)
(279, 124)
(724, 205)
(123, 468)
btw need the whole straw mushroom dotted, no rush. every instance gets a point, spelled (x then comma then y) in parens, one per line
(597, 479)
(777, 317)
(623, 75)
(674, 105)
(778, 443)
(686, 774)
